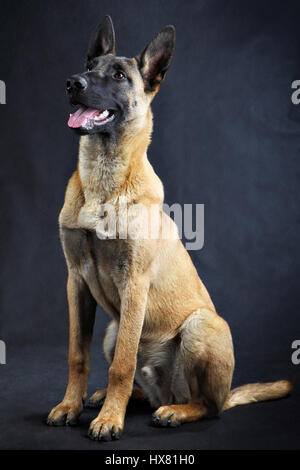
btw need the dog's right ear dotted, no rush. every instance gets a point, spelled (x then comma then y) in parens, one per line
(103, 40)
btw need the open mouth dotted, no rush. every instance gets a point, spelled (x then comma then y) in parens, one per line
(88, 118)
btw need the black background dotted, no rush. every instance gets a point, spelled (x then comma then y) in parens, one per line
(225, 135)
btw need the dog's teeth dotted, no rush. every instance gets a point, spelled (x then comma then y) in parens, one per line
(101, 116)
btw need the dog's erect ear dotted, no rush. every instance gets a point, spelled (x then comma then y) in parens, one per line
(156, 58)
(103, 40)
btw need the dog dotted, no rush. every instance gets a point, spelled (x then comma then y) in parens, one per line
(165, 342)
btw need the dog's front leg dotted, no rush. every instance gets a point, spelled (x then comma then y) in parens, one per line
(82, 307)
(110, 421)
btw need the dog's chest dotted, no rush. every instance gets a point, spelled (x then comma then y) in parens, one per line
(102, 263)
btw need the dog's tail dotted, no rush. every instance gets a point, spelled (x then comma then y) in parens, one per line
(252, 393)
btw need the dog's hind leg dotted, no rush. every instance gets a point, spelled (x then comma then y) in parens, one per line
(207, 354)
(174, 415)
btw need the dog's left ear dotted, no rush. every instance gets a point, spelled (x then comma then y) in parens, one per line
(156, 58)
(103, 40)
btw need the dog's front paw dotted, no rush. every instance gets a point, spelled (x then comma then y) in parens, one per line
(64, 414)
(105, 429)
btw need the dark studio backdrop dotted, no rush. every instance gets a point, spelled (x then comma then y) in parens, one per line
(226, 135)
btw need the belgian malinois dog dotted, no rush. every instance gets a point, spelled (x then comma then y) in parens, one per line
(165, 335)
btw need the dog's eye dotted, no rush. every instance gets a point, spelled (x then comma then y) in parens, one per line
(119, 75)
(91, 64)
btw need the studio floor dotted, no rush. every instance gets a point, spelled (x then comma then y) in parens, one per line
(33, 381)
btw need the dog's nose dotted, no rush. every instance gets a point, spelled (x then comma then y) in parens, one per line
(76, 83)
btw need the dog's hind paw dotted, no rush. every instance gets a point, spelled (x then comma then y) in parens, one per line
(97, 399)
(166, 416)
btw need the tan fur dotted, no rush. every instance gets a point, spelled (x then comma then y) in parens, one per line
(252, 393)
(165, 332)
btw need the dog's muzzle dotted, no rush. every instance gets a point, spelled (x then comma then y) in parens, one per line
(75, 85)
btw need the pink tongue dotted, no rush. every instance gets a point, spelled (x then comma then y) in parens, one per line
(77, 119)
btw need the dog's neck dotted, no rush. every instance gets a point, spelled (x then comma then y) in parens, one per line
(109, 166)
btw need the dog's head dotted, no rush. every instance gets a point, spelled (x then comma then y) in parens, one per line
(113, 91)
